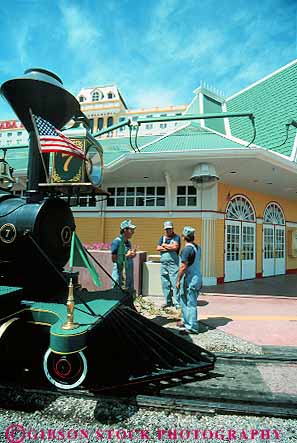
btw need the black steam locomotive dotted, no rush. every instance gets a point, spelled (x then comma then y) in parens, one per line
(53, 332)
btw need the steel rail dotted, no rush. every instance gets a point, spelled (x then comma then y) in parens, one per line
(180, 394)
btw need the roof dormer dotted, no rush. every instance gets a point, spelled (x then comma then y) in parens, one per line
(96, 95)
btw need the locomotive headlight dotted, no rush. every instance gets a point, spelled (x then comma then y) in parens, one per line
(94, 165)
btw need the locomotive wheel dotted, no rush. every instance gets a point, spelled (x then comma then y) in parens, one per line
(65, 371)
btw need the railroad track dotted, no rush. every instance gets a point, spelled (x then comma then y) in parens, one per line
(239, 385)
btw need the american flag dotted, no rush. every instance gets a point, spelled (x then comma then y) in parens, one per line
(52, 140)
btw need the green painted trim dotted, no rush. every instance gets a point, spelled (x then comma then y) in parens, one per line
(68, 353)
(54, 315)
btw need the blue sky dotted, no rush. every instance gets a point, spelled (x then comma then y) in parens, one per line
(155, 51)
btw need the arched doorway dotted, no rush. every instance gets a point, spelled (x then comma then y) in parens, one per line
(240, 240)
(274, 262)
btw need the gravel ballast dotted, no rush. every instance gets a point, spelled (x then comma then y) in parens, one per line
(75, 420)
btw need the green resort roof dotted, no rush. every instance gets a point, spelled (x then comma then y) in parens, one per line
(273, 101)
(17, 157)
(191, 138)
(113, 148)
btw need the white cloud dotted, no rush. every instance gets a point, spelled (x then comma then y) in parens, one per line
(152, 98)
(80, 32)
(21, 43)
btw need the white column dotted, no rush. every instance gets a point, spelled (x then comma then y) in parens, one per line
(208, 251)
(169, 202)
(209, 203)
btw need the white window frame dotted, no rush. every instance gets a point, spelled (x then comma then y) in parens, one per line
(267, 214)
(98, 94)
(186, 196)
(239, 209)
(134, 196)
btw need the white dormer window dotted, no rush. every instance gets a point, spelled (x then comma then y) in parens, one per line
(95, 96)
(110, 95)
(81, 99)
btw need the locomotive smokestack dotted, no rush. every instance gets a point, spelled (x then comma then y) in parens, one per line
(37, 171)
(40, 92)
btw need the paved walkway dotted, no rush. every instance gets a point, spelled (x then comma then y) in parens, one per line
(280, 286)
(261, 311)
(266, 321)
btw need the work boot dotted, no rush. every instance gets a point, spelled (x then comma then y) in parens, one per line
(184, 331)
(166, 305)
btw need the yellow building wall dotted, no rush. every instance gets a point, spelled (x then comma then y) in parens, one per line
(260, 201)
(147, 233)
(291, 261)
(89, 229)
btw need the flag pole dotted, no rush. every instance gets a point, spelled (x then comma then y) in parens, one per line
(70, 324)
(38, 144)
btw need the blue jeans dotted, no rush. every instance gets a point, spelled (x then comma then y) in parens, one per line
(117, 275)
(188, 303)
(169, 271)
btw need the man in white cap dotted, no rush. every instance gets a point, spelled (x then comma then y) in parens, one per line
(189, 282)
(122, 256)
(169, 246)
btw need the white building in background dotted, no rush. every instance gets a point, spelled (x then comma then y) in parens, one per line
(104, 106)
(12, 133)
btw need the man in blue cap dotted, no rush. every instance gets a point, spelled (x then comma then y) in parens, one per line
(168, 246)
(122, 256)
(189, 282)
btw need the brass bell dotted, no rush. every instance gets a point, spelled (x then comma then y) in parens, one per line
(6, 179)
